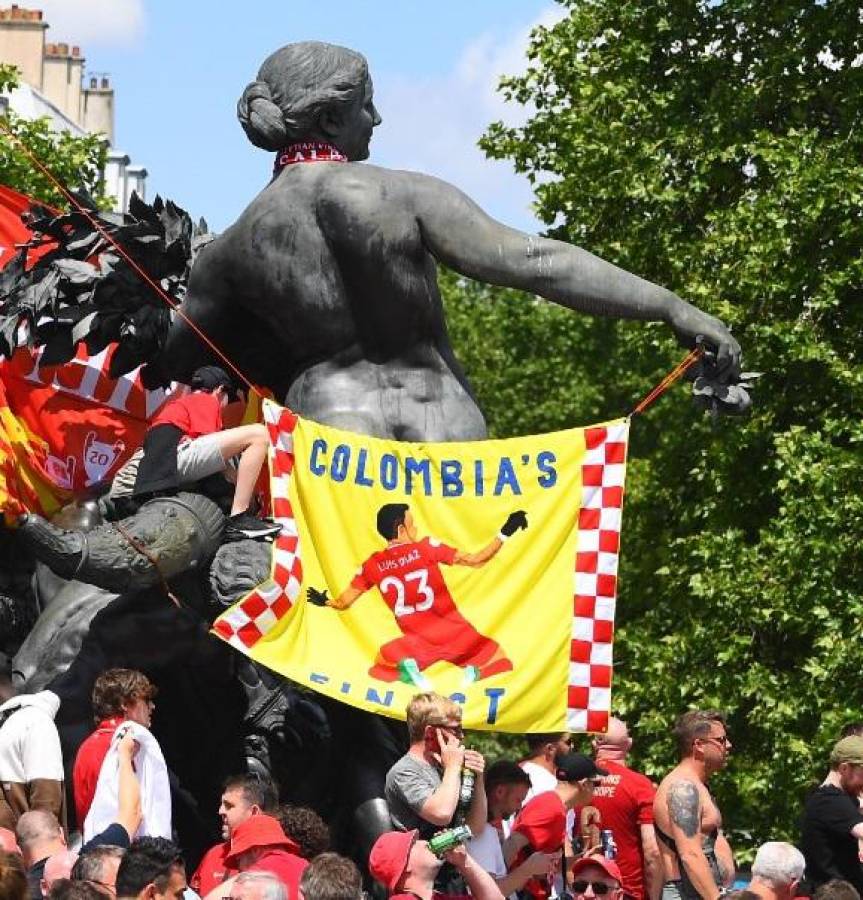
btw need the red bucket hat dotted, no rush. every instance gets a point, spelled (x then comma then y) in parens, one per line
(259, 831)
(389, 857)
(609, 866)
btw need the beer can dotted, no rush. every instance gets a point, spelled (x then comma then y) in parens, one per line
(606, 841)
(446, 840)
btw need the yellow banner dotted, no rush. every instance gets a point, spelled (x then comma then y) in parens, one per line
(485, 571)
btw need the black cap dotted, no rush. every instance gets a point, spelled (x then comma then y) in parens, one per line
(576, 766)
(208, 378)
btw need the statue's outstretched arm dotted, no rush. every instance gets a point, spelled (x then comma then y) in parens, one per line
(459, 234)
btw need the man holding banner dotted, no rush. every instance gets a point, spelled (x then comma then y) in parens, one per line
(408, 575)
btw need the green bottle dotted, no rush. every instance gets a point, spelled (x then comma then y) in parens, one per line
(446, 840)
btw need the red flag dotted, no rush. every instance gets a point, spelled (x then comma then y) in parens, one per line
(12, 230)
(24, 484)
(73, 425)
(91, 423)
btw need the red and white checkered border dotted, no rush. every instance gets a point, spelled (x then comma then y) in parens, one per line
(245, 623)
(603, 472)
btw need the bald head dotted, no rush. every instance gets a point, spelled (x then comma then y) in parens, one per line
(56, 867)
(615, 743)
(39, 835)
(8, 844)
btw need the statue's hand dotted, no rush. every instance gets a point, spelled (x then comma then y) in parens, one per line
(718, 397)
(318, 598)
(693, 327)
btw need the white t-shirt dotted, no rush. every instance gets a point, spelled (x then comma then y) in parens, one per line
(541, 780)
(29, 742)
(486, 851)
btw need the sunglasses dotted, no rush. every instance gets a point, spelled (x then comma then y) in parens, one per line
(453, 729)
(600, 888)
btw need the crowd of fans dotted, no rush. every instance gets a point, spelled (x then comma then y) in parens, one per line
(555, 824)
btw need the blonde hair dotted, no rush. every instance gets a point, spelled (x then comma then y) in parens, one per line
(429, 709)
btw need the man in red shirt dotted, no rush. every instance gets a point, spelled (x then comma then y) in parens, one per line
(118, 695)
(186, 442)
(407, 573)
(540, 825)
(407, 868)
(260, 845)
(623, 804)
(506, 787)
(243, 796)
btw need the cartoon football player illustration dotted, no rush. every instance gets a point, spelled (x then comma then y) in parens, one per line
(407, 573)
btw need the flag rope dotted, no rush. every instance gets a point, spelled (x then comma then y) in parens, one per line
(139, 547)
(676, 373)
(121, 251)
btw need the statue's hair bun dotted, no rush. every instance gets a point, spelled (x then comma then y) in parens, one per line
(261, 118)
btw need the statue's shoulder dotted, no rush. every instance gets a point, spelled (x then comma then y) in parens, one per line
(361, 183)
(340, 198)
(336, 198)
(364, 190)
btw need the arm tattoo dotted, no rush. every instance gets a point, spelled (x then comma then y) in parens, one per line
(683, 803)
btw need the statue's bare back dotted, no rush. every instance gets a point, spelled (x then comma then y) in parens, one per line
(338, 268)
(325, 290)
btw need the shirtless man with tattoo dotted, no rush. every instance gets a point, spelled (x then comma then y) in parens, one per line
(696, 858)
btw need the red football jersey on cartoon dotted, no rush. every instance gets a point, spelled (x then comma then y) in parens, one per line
(412, 585)
(410, 581)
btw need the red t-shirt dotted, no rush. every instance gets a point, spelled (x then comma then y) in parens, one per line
(410, 581)
(621, 804)
(212, 870)
(194, 414)
(542, 820)
(88, 763)
(287, 867)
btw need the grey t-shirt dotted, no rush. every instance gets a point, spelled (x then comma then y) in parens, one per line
(410, 782)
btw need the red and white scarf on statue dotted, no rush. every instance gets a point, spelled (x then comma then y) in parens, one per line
(307, 151)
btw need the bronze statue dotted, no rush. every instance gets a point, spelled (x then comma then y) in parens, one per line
(325, 291)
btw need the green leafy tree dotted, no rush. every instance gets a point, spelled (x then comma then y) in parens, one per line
(716, 148)
(78, 162)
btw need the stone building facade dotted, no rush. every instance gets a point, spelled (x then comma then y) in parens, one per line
(53, 83)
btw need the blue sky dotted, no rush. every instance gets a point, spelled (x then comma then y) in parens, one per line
(178, 67)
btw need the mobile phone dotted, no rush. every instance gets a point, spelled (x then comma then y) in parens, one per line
(432, 744)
